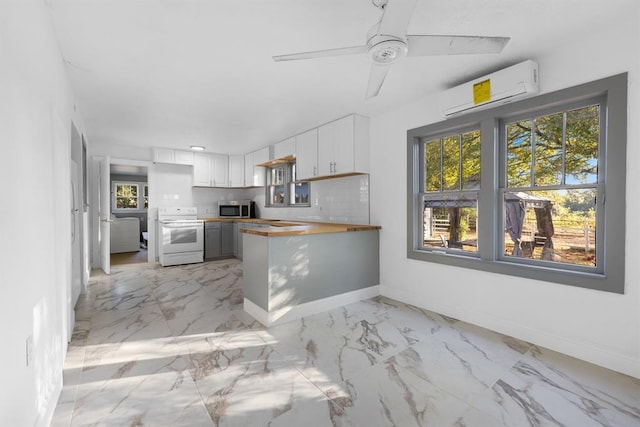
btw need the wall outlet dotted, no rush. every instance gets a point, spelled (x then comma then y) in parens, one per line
(29, 350)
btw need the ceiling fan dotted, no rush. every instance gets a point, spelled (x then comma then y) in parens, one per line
(387, 41)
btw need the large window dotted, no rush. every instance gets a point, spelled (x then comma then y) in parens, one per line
(520, 189)
(130, 196)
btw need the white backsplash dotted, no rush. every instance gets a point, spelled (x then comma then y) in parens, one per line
(341, 200)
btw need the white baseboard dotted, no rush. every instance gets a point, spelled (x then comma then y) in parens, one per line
(562, 344)
(256, 312)
(309, 308)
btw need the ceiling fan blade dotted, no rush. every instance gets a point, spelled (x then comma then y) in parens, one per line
(376, 78)
(322, 53)
(396, 17)
(454, 45)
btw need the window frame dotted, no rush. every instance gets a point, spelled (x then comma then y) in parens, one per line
(611, 182)
(289, 182)
(140, 198)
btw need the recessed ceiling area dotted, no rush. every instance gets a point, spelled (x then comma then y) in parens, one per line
(176, 73)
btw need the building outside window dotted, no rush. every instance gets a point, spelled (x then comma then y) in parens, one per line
(520, 189)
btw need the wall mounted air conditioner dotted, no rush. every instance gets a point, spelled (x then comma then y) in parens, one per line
(494, 89)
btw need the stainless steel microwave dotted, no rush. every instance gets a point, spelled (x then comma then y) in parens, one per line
(237, 209)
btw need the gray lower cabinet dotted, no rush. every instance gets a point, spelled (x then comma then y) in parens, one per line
(238, 236)
(212, 246)
(218, 240)
(226, 239)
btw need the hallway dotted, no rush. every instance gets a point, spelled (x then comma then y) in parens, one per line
(171, 346)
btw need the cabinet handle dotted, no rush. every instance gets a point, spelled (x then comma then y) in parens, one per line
(314, 171)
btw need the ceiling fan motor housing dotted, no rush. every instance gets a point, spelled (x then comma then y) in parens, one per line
(387, 50)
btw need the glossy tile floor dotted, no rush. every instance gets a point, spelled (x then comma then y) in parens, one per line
(171, 346)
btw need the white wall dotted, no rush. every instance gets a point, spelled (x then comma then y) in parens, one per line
(600, 327)
(36, 110)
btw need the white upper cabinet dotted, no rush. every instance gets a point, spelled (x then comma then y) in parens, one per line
(183, 157)
(248, 169)
(220, 170)
(171, 156)
(202, 170)
(210, 170)
(254, 176)
(285, 148)
(343, 146)
(236, 171)
(307, 155)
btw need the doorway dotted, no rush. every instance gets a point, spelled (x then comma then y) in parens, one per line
(129, 206)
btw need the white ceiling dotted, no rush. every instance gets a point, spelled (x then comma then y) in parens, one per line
(174, 73)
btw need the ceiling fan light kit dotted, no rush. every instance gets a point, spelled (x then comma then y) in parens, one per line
(387, 42)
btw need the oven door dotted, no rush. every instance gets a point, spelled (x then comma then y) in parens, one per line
(181, 236)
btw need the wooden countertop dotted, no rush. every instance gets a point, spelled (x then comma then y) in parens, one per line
(276, 228)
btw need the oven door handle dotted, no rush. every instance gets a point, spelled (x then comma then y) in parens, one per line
(182, 224)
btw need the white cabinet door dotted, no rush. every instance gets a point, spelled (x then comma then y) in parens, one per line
(220, 170)
(254, 176)
(307, 155)
(236, 171)
(343, 146)
(285, 148)
(261, 156)
(183, 157)
(248, 169)
(171, 156)
(326, 136)
(162, 155)
(202, 170)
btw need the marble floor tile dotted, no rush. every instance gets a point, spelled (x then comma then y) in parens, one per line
(172, 346)
(336, 345)
(397, 392)
(203, 322)
(546, 388)
(128, 325)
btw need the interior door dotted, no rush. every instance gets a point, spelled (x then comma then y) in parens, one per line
(76, 251)
(104, 213)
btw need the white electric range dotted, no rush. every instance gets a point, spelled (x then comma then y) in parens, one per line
(181, 236)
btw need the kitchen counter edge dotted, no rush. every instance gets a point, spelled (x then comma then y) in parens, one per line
(275, 228)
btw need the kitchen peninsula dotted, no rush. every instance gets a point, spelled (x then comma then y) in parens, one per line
(294, 269)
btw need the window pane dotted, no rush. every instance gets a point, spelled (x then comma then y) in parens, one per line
(300, 191)
(548, 143)
(583, 130)
(451, 221)
(554, 225)
(278, 175)
(471, 160)
(432, 165)
(277, 194)
(519, 154)
(126, 203)
(451, 163)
